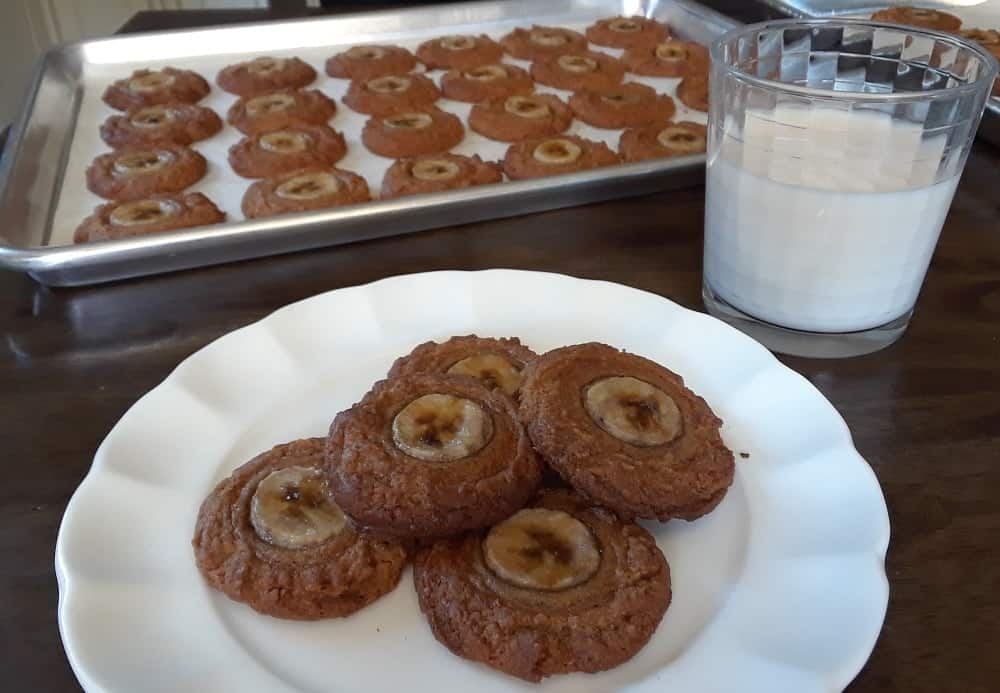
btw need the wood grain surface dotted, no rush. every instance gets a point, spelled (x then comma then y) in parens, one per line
(925, 412)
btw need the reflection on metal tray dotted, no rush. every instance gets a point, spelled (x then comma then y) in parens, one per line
(41, 145)
(984, 15)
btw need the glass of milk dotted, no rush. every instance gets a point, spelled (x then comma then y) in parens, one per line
(835, 147)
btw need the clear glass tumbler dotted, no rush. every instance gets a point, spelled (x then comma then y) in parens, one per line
(835, 147)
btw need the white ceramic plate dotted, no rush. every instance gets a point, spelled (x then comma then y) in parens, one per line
(781, 589)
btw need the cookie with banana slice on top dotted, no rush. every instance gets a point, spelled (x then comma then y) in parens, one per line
(437, 173)
(281, 109)
(459, 52)
(367, 62)
(560, 586)
(139, 171)
(625, 432)
(430, 455)
(271, 535)
(154, 214)
(272, 153)
(153, 87)
(317, 187)
(549, 156)
(627, 32)
(265, 74)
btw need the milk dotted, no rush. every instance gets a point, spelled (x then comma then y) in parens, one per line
(823, 220)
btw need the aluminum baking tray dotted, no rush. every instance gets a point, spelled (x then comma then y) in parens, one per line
(41, 174)
(985, 15)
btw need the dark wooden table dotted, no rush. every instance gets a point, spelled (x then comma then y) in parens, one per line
(925, 412)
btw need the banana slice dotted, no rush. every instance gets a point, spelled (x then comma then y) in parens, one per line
(308, 186)
(671, 52)
(154, 81)
(542, 549)
(365, 53)
(142, 212)
(269, 103)
(266, 66)
(548, 38)
(681, 140)
(493, 369)
(633, 411)
(441, 428)
(558, 151)
(579, 64)
(292, 508)
(624, 25)
(486, 73)
(457, 43)
(526, 107)
(409, 121)
(285, 141)
(153, 117)
(142, 162)
(621, 99)
(389, 84)
(435, 169)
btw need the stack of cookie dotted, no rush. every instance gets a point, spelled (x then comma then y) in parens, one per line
(414, 119)
(512, 480)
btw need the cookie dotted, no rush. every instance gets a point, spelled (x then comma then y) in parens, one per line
(498, 363)
(428, 130)
(281, 109)
(627, 32)
(561, 586)
(988, 39)
(391, 94)
(693, 92)
(430, 455)
(180, 123)
(153, 87)
(154, 214)
(919, 16)
(549, 156)
(303, 190)
(267, 154)
(438, 172)
(671, 58)
(662, 140)
(578, 70)
(135, 172)
(460, 52)
(542, 42)
(271, 536)
(367, 62)
(625, 432)
(621, 106)
(486, 82)
(520, 117)
(265, 74)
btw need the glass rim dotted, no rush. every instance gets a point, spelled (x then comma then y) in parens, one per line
(982, 83)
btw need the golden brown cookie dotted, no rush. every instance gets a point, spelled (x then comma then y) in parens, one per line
(390, 94)
(460, 52)
(519, 117)
(990, 40)
(438, 172)
(135, 172)
(542, 42)
(154, 214)
(281, 109)
(367, 62)
(919, 16)
(671, 58)
(152, 87)
(625, 432)
(621, 106)
(265, 74)
(693, 92)
(430, 455)
(578, 70)
(662, 140)
(180, 123)
(273, 153)
(427, 130)
(549, 156)
(319, 187)
(627, 32)
(271, 536)
(496, 362)
(486, 82)
(561, 586)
